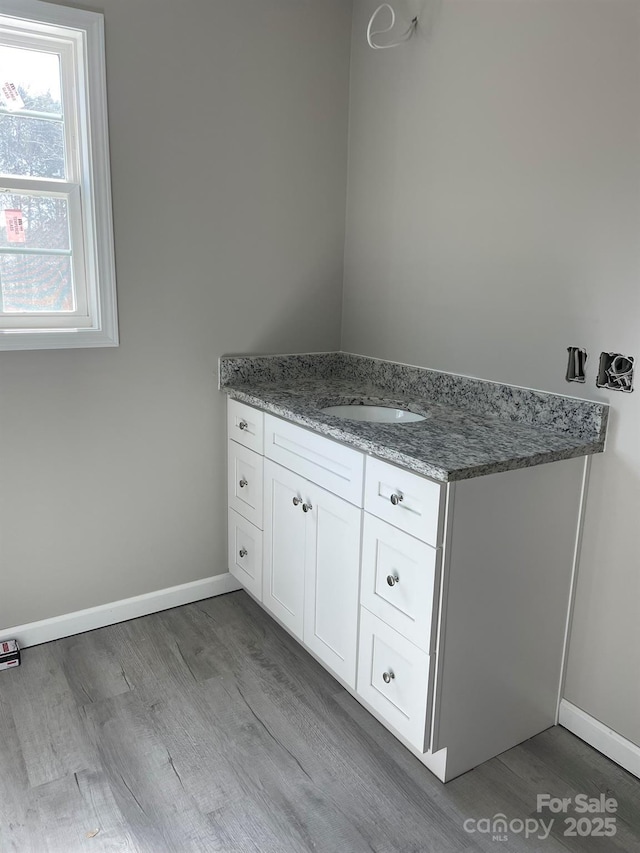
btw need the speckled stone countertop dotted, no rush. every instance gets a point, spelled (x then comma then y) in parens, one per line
(473, 427)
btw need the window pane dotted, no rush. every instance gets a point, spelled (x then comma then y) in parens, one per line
(36, 283)
(36, 77)
(31, 147)
(44, 220)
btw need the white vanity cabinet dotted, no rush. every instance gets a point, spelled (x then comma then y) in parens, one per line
(401, 560)
(313, 495)
(245, 490)
(311, 566)
(441, 607)
(307, 522)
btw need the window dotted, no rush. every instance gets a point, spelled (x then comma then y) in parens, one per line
(57, 273)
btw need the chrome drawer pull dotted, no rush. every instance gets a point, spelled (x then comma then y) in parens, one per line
(388, 676)
(306, 507)
(243, 483)
(297, 501)
(243, 425)
(396, 499)
(393, 579)
(243, 552)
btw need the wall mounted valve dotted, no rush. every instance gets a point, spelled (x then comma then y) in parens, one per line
(576, 366)
(615, 372)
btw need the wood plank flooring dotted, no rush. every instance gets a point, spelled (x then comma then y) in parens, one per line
(207, 728)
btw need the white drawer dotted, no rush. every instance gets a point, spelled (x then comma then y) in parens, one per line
(245, 425)
(399, 580)
(393, 677)
(331, 465)
(406, 500)
(244, 482)
(245, 553)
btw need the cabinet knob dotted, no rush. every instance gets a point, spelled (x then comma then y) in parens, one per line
(243, 552)
(306, 507)
(393, 579)
(396, 499)
(243, 425)
(388, 676)
(297, 501)
(243, 483)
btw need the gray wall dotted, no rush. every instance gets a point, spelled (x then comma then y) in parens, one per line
(493, 219)
(228, 124)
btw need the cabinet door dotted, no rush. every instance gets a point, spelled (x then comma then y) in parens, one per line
(332, 562)
(284, 546)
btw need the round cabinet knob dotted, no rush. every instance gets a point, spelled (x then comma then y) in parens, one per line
(396, 499)
(393, 579)
(387, 677)
(306, 507)
(243, 425)
(243, 552)
(297, 501)
(243, 483)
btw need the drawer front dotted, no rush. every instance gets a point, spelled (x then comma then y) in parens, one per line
(245, 553)
(406, 500)
(245, 425)
(399, 576)
(244, 482)
(394, 678)
(330, 465)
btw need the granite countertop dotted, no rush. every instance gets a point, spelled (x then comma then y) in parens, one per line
(472, 427)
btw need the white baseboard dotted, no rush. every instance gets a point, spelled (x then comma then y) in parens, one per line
(624, 752)
(46, 630)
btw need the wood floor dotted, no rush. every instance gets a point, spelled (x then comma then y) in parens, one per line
(207, 728)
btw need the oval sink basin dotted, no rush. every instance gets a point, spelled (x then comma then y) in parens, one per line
(374, 414)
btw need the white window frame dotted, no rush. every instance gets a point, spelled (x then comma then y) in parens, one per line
(79, 35)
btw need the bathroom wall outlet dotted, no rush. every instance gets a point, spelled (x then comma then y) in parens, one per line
(615, 372)
(576, 364)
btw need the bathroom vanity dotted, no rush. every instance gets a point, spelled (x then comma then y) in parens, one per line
(428, 566)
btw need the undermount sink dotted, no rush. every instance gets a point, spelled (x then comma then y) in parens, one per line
(374, 414)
